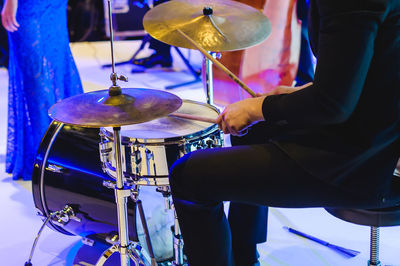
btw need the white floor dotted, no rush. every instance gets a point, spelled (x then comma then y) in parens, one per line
(19, 223)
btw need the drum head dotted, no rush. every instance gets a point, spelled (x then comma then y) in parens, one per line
(171, 127)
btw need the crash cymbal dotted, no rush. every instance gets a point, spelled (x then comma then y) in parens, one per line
(220, 25)
(98, 109)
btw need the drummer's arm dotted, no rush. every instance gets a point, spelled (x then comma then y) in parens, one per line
(237, 117)
(285, 89)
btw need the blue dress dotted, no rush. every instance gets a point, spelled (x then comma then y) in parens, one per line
(41, 72)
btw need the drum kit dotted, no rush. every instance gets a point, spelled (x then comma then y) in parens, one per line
(138, 132)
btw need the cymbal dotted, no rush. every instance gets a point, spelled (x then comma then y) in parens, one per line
(220, 25)
(98, 109)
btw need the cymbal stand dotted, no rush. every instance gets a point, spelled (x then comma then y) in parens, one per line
(195, 73)
(178, 239)
(145, 40)
(209, 78)
(218, 64)
(126, 249)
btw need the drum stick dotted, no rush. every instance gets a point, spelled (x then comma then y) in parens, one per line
(219, 64)
(194, 117)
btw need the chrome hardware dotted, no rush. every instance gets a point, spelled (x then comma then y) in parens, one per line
(108, 184)
(150, 157)
(40, 214)
(87, 241)
(123, 78)
(55, 168)
(114, 77)
(120, 7)
(64, 216)
(135, 192)
(105, 148)
(112, 238)
(136, 160)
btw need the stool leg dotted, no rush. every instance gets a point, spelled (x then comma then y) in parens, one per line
(374, 247)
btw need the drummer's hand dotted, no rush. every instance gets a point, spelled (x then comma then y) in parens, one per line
(284, 90)
(237, 117)
(8, 15)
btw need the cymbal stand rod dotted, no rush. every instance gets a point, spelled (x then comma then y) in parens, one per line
(113, 75)
(121, 195)
(209, 81)
(177, 235)
(146, 232)
(178, 240)
(218, 64)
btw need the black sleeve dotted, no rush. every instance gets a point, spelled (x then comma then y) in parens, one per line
(347, 31)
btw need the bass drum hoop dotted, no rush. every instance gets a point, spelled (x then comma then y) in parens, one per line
(38, 192)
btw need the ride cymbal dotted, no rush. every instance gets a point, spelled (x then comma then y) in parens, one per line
(220, 25)
(98, 109)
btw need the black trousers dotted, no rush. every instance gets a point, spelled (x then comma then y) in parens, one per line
(258, 174)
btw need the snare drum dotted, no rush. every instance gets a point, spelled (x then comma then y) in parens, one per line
(149, 149)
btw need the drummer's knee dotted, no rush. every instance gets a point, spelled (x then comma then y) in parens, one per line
(176, 174)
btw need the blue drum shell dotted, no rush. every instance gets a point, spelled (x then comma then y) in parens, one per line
(77, 181)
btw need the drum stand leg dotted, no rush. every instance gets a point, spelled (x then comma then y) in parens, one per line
(127, 250)
(145, 228)
(178, 239)
(133, 251)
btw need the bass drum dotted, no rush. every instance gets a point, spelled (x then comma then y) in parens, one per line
(68, 171)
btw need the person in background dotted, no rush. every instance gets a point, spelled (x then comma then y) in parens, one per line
(41, 72)
(162, 51)
(160, 57)
(3, 45)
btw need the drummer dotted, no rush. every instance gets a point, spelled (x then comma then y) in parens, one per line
(317, 143)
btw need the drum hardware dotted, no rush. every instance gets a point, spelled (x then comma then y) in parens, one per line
(209, 76)
(138, 255)
(64, 216)
(179, 258)
(137, 159)
(50, 216)
(108, 184)
(61, 217)
(57, 130)
(112, 238)
(218, 64)
(87, 241)
(150, 157)
(135, 254)
(128, 250)
(195, 73)
(55, 168)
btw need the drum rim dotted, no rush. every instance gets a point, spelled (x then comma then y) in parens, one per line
(164, 141)
(38, 191)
